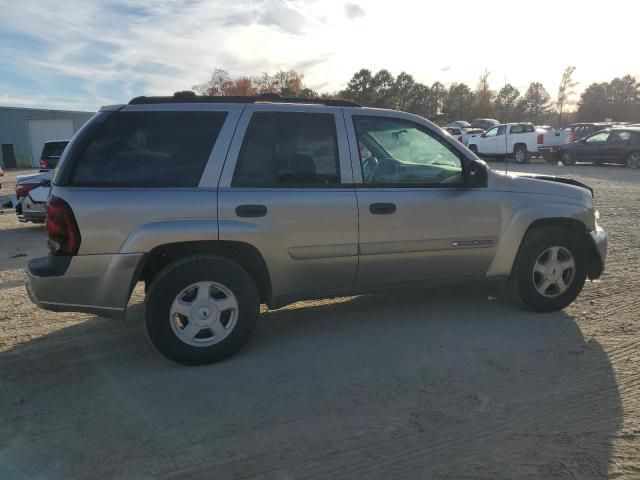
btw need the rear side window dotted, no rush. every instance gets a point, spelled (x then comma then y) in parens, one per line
(528, 128)
(283, 149)
(517, 129)
(149, 149)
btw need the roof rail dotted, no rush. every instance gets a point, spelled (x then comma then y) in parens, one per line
(188, 96)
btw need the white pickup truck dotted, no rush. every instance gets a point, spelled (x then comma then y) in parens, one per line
(552, 140)
(519, 140)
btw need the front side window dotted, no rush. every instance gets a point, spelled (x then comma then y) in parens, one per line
(501, 130)
(492, 132)
(598, 137)
(401, 152)
(288, 149)
(149, 149)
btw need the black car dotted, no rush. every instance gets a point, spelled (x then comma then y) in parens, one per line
(51, 153)
(484, 123)
(611, 145)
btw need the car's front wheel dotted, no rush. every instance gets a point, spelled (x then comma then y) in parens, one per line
(201, 309)
(567, 158)
(550, 269)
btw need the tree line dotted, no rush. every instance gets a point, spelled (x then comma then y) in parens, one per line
(618, 100)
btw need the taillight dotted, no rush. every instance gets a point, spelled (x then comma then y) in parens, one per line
(572, 137)
(43, 163)
(540, 138)
(23, 189)
(62, 228)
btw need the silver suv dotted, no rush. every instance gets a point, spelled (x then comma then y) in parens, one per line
(219, 204)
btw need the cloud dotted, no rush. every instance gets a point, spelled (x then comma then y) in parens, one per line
(353, 11)
(446, 69)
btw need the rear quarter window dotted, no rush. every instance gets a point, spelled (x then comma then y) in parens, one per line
(148, 149)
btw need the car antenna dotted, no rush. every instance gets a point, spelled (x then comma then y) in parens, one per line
(506, 120)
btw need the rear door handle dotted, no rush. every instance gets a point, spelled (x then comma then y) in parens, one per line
(382, 208)
(251, 211)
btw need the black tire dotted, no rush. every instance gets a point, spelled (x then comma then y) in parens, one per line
(633, 160)
(551, 158)
(567, 159)
(177, 276)
(534, 244)
(520, 154)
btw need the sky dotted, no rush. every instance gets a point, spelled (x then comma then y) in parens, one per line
(80, 55)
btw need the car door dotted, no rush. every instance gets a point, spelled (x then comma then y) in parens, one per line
(487, 142)
(501, 141)
(618, 145)
(593, 147)
(417, 219)
(286, 189)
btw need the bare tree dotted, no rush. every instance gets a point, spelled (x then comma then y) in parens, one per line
(565, 91)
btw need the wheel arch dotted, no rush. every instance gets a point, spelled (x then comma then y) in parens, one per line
(244, 254)
(514, 232)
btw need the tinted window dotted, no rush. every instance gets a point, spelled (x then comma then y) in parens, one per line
(501, 130)
(149, 149)
(53, 149)
(517, 129)
(620, 136)
(528, 128)
(287, 148)
(402, 152)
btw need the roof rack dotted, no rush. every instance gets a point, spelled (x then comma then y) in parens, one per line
(190, 97)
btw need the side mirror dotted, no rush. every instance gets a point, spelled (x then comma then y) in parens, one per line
(45, 183)
(476, 173)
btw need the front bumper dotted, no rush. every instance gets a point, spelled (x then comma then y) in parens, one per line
(97, 284)
(599, 252)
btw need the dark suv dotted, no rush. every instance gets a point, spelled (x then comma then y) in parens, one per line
(612, 145)
(51, 153)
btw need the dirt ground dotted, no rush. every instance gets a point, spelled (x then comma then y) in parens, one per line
(456, 383)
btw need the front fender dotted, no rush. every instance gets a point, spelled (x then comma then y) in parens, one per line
(518, 222)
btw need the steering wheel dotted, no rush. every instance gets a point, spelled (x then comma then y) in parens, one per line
(369, 167)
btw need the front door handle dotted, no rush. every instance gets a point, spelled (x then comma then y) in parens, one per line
(382, 208)
(251, 211)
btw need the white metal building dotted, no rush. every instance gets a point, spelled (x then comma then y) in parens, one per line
(23, 132)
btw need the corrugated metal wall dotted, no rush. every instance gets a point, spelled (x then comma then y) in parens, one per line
(14, 128)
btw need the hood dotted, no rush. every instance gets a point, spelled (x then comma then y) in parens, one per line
(543, 184)
(552, 178)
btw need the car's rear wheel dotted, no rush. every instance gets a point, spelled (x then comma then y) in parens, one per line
(201, 309)
(567, 158)
(550, 269)
(633, 160)
(520, 154)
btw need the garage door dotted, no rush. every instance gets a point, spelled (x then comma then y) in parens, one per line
(41, 131)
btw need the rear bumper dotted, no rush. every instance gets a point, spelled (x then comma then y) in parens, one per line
(97, 284)
(599, 252)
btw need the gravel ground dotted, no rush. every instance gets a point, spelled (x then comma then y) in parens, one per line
(456, 383)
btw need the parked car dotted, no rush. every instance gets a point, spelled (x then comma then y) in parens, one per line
(612, 145)
(463, 134)
(219, 204)
(581, 130)
(51, 152)
(519, 140)
(484, 123)
(32, 192)
(551, 141)
(459, 124)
